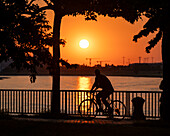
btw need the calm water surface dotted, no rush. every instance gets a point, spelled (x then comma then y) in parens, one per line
(81, 83)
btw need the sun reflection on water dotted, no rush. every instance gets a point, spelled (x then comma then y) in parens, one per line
(83, 83)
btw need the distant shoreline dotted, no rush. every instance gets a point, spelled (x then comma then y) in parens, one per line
(133, 70)
(156, 76)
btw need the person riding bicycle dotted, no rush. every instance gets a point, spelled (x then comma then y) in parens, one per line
(101, 81)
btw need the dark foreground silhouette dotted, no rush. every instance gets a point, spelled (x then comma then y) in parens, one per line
(53, 128)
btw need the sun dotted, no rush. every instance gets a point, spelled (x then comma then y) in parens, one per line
(84, 43)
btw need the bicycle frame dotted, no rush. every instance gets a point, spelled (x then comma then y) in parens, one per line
(91, 97)
(119, 109)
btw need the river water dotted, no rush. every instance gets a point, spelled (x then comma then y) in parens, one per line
(80, 83)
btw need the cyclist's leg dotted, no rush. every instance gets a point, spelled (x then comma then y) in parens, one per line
(105, 95)
(98, 99)
(105, 102)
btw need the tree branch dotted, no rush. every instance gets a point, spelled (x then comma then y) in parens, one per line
(31, 2)
(154, 41)
(51, 7)
(46, 7)
(47, 2)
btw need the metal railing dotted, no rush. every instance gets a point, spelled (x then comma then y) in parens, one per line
(25, 101)
(72, 98)
(39, 101)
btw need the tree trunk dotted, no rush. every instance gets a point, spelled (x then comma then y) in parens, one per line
(165, 98)
(55, 97)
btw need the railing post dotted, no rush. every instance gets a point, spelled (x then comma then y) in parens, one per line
(127, 104)
(0, 101)
(65, 101)
(22, 103)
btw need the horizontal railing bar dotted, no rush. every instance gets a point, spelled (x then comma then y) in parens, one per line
(81, 91)
(24, 90)
(114, 91)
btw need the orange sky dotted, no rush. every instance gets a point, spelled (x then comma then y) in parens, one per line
(109, 40)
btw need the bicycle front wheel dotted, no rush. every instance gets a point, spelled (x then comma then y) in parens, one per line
(88, 109)
(119, 110)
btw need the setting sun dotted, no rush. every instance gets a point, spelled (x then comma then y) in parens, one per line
(84, 43)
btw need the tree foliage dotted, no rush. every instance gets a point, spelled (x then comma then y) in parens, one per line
(157, 14)
(130, 10)
(24, 36)
(24, 27)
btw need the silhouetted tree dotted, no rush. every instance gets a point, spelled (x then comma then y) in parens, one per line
(23, 36)
(158, 14)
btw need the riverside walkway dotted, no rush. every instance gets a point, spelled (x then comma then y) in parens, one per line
(79, 127)
(82, 121)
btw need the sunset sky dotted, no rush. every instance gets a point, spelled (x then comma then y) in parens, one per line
(109, 40)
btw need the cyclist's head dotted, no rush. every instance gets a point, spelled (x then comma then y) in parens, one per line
(97, 72)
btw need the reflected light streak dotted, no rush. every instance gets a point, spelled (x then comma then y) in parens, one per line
(83, 83)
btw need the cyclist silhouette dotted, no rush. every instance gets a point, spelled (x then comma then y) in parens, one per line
(101, 81)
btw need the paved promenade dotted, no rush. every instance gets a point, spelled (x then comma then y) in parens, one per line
(79, 127)
(82, 121)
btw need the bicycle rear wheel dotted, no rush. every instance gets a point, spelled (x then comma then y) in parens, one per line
(88, 109)
(119, 110)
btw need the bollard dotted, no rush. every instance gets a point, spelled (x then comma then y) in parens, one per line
(138, 108)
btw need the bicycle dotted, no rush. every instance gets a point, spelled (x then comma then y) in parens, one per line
(88, 109)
